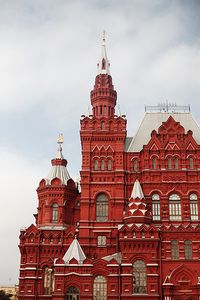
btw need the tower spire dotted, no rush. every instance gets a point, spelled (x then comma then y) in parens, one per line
(103, 64)
(103, 96)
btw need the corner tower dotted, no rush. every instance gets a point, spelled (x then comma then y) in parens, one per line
(103, 137)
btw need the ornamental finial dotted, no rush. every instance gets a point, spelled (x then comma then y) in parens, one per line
(60, 141)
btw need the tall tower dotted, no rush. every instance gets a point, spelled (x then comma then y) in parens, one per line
(102, 175)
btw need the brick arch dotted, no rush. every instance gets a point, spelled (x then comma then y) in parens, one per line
(183, 274)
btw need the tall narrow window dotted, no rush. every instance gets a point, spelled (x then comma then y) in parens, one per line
(174, 208)
(154, 163)
(100, 288)
(193, 207)
(169, 163)
(139, 277)
(109, 164)
(174, 245)
(176, 163)
(135, 165)
(156, 206)
(102, 125)
(188, 249)
(102, 165)
(55, 213)
(102, 208)
(191, 163)
(72, 293)
(48, 281)
(95, 165)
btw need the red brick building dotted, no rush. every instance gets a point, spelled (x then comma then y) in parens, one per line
(133, 231)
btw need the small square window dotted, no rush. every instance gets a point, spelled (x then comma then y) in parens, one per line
(101, 240)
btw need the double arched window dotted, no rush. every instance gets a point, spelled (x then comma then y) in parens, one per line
(156, 206)
(139, 277)
(72, 293)
(54, 213)
(174, 207)
(193, 207)
(102, 208)
(99, 288)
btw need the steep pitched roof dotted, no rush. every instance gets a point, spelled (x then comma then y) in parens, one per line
(153, 120)
(74, 251)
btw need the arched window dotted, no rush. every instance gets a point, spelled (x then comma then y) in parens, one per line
(188, 249)
(135, 166)
(102, 208)
(48, 281)
(193, 207)
(191, 163)
(102, 165)
(139, 277)
(154, 163)
(174, 207)
(169, 163)
(96, 165)
(55, 213)
(102, 125)
(175, 254)
(156, 206)
(176, 164)
(99, 288)
(109, 164)
(72, 293)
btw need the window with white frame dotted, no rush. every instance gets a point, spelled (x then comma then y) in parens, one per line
(156, 206)
(100, 288)
(174, 207)
(193, 207)
(101, 240)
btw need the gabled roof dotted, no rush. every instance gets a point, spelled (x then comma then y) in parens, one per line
(74, 251)
(153, 120)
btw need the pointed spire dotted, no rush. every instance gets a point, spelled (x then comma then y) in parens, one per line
(74, 251)
(103, 64)
(137, 191)
(58, 169)
(137, 210)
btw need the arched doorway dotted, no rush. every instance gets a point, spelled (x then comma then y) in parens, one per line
(72, 293)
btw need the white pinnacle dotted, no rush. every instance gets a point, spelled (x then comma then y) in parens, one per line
(103, 65)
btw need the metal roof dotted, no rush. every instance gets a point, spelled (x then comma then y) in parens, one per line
(153, 120)
(74, 251)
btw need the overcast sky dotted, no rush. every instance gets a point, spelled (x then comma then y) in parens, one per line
(48, 55)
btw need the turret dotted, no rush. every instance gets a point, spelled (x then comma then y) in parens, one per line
(57, 194)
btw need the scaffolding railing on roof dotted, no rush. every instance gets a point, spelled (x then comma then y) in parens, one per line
(167, 107)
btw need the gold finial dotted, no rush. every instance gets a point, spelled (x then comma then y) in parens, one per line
(60, 139)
